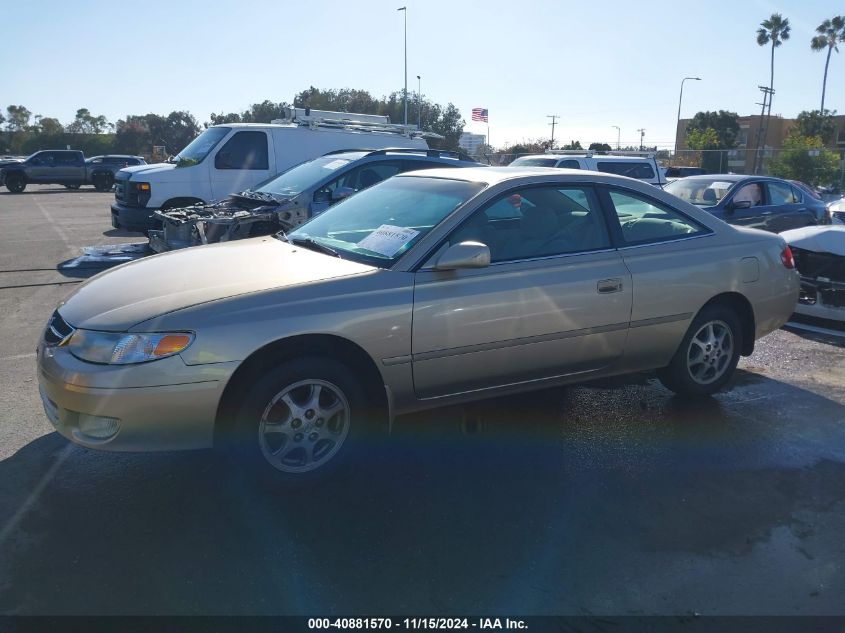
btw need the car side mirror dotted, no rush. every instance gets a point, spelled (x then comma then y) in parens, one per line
(740, 204)
(464, 255)
(342, 192)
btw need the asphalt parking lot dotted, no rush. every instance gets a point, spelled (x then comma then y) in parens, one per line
(613, 498)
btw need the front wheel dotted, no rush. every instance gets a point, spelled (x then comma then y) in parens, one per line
(15, 183)
(708, 354)
(301, 421)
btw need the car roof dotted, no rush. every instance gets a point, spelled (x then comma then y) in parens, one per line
(596, 156)
(494, 175)
(406, 152)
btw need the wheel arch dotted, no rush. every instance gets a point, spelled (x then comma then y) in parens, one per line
(328, 346)
(740, 304)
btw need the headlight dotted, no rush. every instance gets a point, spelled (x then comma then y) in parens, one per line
(117, 348)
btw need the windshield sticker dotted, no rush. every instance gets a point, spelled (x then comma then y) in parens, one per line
(719, 185)
(335, 164)
(387, 240)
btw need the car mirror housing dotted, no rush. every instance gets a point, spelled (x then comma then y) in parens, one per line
(464, 255)
(342, 192)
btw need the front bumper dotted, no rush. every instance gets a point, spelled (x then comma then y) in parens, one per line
(140, 218)
(162, 405)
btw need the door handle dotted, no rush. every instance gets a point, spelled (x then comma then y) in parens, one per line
(606, 286)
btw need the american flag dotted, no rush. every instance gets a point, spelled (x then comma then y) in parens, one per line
(479, 114)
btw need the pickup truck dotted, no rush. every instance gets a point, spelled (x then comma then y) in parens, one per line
(64, 167)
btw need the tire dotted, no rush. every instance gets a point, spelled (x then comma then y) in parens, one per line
(103, 181)
(16, 183)
(74, 186)
(708, 355)
(300, 422)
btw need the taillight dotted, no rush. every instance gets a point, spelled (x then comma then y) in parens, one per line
(786, 258)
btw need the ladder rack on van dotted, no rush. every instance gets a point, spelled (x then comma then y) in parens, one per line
(350, 121)
(591, 152)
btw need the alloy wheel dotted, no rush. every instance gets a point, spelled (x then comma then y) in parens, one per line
(710, 352)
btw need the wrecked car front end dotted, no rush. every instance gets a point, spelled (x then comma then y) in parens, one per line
(819, 254)
(247, 214)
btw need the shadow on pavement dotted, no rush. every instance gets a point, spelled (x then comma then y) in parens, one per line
(555, 502)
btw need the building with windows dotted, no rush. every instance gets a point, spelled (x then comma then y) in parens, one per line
(470, 142)
(740, 160)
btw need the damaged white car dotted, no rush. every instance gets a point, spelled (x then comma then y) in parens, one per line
(819, 253)
(285, 201)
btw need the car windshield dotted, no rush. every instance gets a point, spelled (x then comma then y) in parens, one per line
(701, 191)
(378, 225)
(534, 162)
(199, 148)
(297, 179)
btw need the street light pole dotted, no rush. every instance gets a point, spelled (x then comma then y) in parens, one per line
(618, 136)
(419, 102)
(680, 99)
(405, 95)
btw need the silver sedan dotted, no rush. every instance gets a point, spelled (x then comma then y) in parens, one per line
(430, 288)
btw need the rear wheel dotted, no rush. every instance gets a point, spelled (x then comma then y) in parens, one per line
(301, 421)
(103, 181)
(16, 183)
(708, 355)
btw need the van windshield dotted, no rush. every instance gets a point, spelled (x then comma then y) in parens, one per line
(299, 178)
(199, 148)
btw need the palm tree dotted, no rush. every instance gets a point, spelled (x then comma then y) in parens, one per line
(830, 32)
(776, 31)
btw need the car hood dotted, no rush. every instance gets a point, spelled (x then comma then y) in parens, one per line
(9, 161)
(129, 294)
(819, 239)
(156, 168)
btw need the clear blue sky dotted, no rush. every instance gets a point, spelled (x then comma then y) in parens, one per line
(596, 64)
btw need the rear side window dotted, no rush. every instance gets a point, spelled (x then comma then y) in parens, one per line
(631, 169)
(245, 150)
(569, 163)
(780, 193)
(68, 158)
(645, 220)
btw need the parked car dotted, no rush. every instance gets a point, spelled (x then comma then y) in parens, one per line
(50, 167)
(427, 289)
(642, 165)
(293, 197)
(836, 210)
(100, 170)
(759, 202)
(677, 171)
(228, 158)
(819, 253)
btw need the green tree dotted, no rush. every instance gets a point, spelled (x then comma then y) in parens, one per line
(723, 122)
(17, 118)
(220, 119)
(830, 33)
(804, 158)
(814, 123)
(600, 147)
(132, 135)
(573, 145)
(264, 112)
(774, 31)
(87, 123)
(48, 126)
(707, 141)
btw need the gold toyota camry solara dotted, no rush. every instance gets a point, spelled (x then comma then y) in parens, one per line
(431, 288)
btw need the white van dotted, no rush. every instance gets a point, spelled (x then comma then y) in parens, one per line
(640, 165)
(232, 157)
